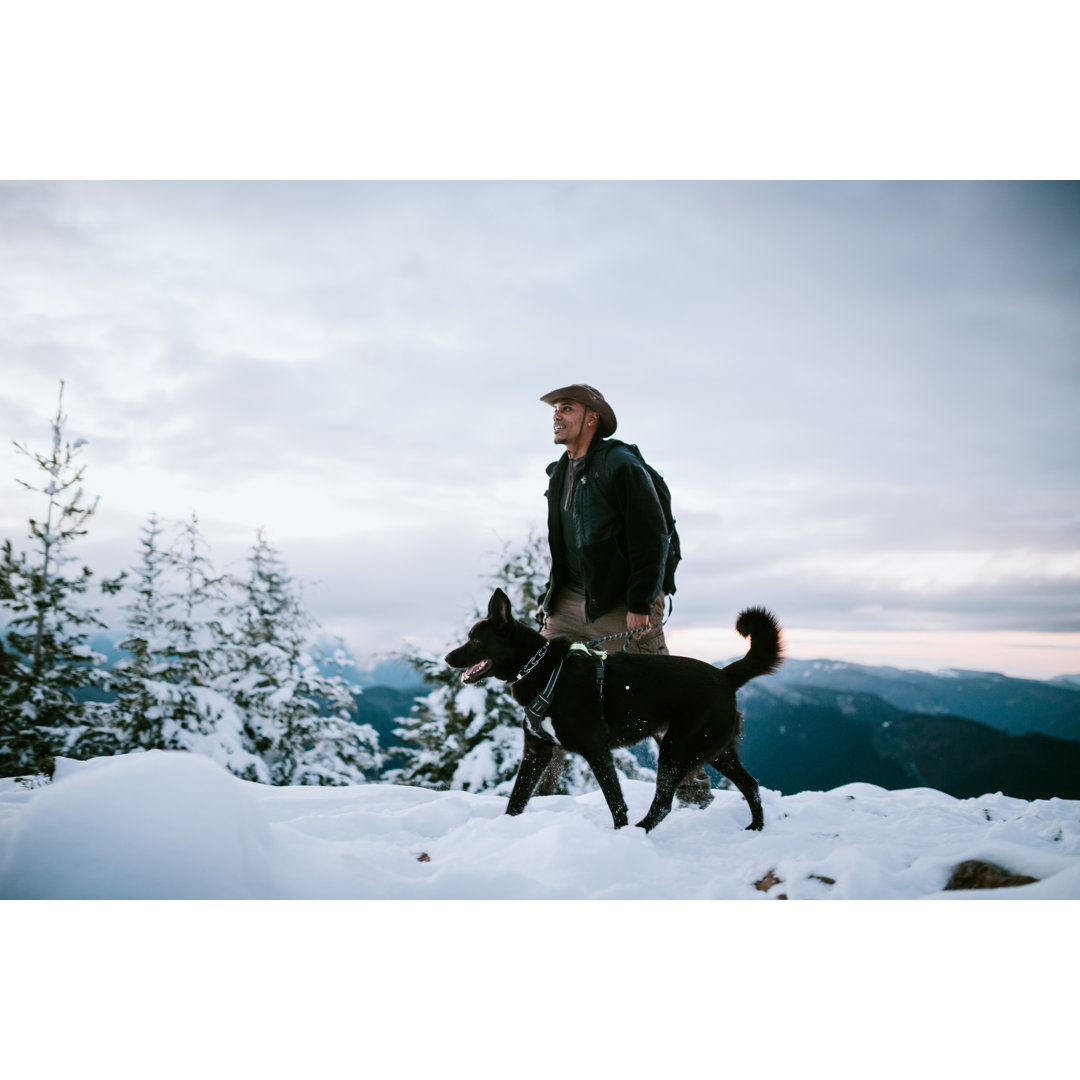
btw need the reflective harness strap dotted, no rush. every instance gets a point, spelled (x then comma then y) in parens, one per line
(598, 657)
(536, 710)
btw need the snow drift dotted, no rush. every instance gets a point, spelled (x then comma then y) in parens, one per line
(173, 825)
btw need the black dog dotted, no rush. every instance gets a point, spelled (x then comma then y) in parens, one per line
(595, 704)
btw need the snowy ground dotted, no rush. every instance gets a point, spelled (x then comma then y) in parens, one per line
(176, 826)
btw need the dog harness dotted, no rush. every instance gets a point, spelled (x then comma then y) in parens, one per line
(536, 719)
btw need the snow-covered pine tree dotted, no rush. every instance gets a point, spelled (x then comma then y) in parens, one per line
(298, 719)
(469, 738)
(47, 659)
(141, 680)
(189, 661)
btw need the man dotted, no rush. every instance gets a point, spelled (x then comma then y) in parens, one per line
(609, 541)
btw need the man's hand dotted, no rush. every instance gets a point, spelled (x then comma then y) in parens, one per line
(639, 623)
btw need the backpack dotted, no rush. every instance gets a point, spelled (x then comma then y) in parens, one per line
(663, 494)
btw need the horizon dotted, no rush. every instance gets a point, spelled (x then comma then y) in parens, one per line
(1026, 656)
(902, 652)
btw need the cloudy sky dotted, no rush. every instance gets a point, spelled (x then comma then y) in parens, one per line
(863, 396)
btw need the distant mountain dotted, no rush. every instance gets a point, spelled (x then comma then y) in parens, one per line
(387, 693)
(1018, 706)
(382, 707)
(398, 674)
(801, 737)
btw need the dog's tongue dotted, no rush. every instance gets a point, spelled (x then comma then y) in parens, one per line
(475, 671)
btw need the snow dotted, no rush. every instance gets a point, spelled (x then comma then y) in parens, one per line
(175, 825)
(476, 766)
(274, 989)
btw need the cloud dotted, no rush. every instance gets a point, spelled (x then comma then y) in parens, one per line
(832, 377)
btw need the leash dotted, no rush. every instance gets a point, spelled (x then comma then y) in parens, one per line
(533, 661)
(628, 634)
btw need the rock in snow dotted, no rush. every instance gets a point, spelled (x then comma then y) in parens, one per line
(974, 874)
(172, 825)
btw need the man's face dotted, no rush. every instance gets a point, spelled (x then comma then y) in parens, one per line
(569, 421)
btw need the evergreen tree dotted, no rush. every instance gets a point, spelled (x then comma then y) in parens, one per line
(469, 738)
(176, 691)
(222, 666)
(298, 719)
(142, 680)
(46, 659)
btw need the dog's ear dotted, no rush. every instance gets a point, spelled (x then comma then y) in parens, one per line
(499, 608)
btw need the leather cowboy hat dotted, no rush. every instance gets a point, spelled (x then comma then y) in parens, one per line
(591, 398)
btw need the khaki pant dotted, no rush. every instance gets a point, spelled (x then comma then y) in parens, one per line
(567, 619)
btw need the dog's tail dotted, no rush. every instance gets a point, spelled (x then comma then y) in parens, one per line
(766, 647)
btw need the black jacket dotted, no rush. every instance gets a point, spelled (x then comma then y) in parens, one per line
(620, 528)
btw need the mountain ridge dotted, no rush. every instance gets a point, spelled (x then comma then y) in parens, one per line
(801, 738)
(1007, 703)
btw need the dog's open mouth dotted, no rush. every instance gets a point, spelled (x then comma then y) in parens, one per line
(476, 672)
